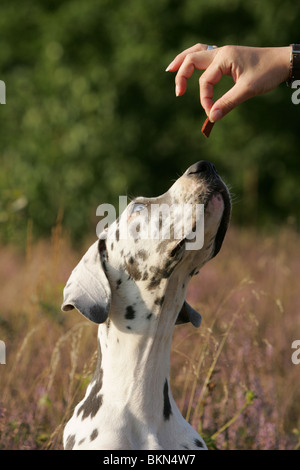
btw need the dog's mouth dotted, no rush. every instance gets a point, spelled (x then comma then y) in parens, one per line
(213, 196)
(216, 195)
(215, 200)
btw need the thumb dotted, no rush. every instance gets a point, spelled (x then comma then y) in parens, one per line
(236, 95)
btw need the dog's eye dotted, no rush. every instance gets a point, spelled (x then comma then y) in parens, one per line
(138, 207)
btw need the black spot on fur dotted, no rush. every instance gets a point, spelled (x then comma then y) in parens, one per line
(130, 313)
(154, 282)
(102, 247)
(143, 254)
(119, 282)
(112, 246)
(104, 265)
(93, 401)
(194, 272)
(70, 442)
(132, 269)
(162, 247)
(177, 249)
(198, 443)
(149, 316)
(117, 235)
(94, 435)
(160, 274)
(81, 441)
(167, 405)
(128, 327)
(145, 276)
(159, 300)
(91, 405)
(160, 221)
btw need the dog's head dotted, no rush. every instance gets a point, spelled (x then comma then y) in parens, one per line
(153, 241)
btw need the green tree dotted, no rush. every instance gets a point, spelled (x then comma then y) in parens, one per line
(90, 113)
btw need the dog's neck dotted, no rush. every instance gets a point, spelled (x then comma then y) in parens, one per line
(136, 352)
(134, 368)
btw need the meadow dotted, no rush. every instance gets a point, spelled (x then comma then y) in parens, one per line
(233, 379)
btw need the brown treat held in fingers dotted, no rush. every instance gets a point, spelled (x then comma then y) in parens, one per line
(207, 127)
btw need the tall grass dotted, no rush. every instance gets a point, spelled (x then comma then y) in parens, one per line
(233, 379)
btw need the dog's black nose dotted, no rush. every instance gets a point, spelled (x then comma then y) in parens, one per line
(206, 169)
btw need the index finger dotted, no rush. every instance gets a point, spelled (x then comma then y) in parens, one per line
(196, 60)
(176, 63)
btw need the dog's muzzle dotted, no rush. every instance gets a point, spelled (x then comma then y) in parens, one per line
(208, 173)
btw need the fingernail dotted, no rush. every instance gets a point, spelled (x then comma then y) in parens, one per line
(215, 115)
(169, 66)
(177, 90)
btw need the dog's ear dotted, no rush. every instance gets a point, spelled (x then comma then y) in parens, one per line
(88, 289)
(188, 314)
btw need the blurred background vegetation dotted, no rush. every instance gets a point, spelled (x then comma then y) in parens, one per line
(91, 114)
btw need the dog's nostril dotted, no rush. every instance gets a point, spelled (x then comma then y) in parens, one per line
(203, 167)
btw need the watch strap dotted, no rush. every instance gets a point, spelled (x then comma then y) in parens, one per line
(294, 73)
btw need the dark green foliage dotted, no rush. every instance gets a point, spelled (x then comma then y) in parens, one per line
(90, 113)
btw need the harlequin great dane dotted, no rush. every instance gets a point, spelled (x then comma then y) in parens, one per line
(135, 287)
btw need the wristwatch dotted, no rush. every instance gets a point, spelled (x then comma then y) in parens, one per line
(294, 65)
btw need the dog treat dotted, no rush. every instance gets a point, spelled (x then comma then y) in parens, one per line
(207, 127)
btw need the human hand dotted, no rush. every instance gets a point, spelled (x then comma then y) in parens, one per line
(255, 70)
